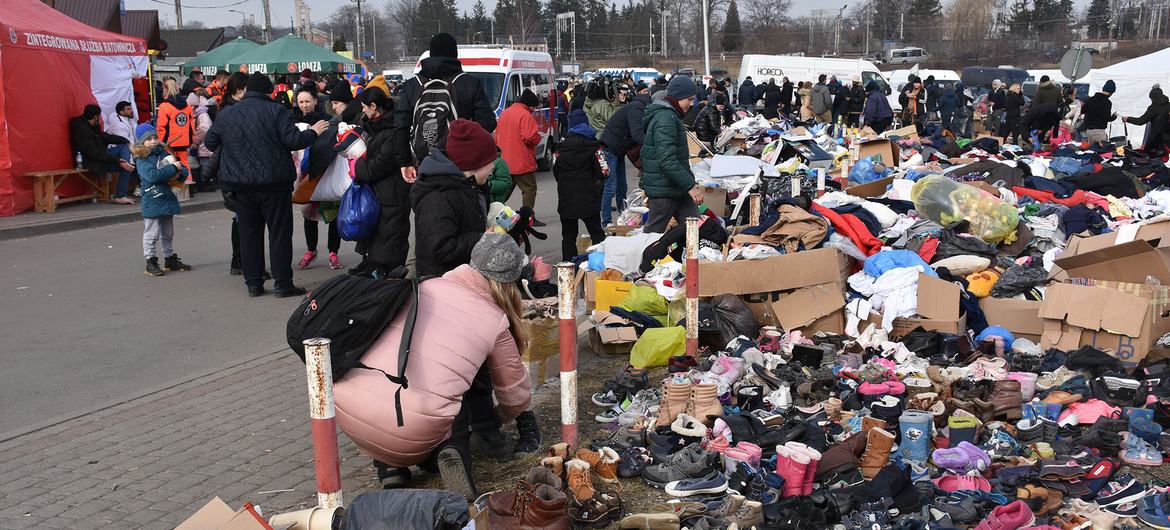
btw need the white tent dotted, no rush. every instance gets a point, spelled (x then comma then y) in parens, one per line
(1134, 78)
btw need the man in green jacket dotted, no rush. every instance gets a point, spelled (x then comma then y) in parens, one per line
(500, 182)
(666, 173)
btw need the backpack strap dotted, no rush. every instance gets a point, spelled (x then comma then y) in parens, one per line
(404, 351)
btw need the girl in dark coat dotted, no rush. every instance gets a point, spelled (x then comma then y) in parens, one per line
(579, 177)
(385, 250)
(1013, 104)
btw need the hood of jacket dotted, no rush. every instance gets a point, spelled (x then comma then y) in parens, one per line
(583, 129)
(590, 103)
(657, 108)
(440, 67)
(178, 101)
(644, 99)
(381, 123)
(438, 173)
(472, 280)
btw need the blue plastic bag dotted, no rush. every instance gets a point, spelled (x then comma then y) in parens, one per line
(357, 217)
(865, 171)
(880, 263)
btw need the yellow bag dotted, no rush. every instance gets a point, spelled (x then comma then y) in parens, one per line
(657, 345)
(611, 293)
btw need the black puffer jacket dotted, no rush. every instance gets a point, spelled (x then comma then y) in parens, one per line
(579, 177)
(1098, 111)
(379, 168)
(257, 135)
(625, 128)
(91, 141)
(856, 99)
(1157, 121)
(1013, 103)
(709, 124)
(471, 102)
(450, 212)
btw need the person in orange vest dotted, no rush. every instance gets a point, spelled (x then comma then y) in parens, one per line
(215, 89)
(176, 128)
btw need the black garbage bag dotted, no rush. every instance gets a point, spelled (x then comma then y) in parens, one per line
(732, 318)
(1019, 279)
(407, 508)
(952, 244)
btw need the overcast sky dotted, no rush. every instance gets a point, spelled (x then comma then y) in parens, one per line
(282, 10)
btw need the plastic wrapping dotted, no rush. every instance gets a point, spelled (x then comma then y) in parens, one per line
(657, 345)
(868, 170)
(358, 216)
(948, 202)
(733, 318)
(646, 300)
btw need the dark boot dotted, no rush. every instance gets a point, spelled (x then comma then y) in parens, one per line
(454, 463)
(152, 268)
(392, 477)
(492, 444)
(173, 263)
(528, 440)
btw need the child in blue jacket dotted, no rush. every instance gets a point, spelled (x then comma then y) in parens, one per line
(156, 169)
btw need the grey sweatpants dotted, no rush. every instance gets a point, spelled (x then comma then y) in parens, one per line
(158, 229)
(1096, 136)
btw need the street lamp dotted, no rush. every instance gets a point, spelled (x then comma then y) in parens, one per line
(243, 17)
(473, 37)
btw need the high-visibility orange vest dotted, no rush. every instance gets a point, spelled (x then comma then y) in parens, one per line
(176, 127)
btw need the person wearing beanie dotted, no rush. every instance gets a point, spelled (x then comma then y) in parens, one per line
(666, 172)
(877, 114)
(598, 106)
(622, 138)
(580, 176)
(1046, 93)
(254, 138)
(1157, 136)
(385, 251)
(712, 119)
(448, 203)
(465, 373)
(1098, 112)
(470, 99)
(856, 97)
(159, 171)
(341, 102)
(517, 134)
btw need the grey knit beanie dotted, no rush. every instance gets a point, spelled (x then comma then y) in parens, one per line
(497, 257)
(681, 87)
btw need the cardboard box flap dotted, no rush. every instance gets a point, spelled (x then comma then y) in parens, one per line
(805, 306)
(1021, 317)
(876, 188)
(1154, 232)
(779, 273)
(889, 151)
(1126, 262)
(214, 514)
(617, 334)
(1094, 308)
(937, 299)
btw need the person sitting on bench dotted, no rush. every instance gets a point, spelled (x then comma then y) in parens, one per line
(99, 150)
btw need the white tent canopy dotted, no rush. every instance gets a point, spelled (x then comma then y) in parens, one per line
(1134, 78)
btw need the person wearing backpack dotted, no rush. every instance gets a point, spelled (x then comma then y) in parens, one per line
(465, 93)
(440, 403)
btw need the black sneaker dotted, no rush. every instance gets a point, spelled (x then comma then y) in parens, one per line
(538, 223)
(152, 268)
(285, 292)
(493, 444)
(528, 440)
(454, 468)
(259, 291)
(173, 263)
(633, 462)
(392, 477)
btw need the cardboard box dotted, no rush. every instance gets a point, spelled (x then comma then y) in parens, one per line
(804, 290)
(890, 153)
(217, 515)
(1132, 254)
(716, 199)
(610, 292)
(876, 188)
(908, 131)
(1127, 324)
(938, 310)
(1021, 317)
(809, 152)
(620, 230)
(609, 333)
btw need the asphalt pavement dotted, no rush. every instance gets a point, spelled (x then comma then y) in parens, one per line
(87, 329)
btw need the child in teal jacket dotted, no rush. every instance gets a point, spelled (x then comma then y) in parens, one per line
(156, 169)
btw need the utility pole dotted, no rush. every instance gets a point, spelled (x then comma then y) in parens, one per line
(664, 36)
(837, 36)
(178, 14)
(902, 26)
(374, 30)
(651, 36)
(267, 21)
(706, 41)
(359, 38)
(868, 16)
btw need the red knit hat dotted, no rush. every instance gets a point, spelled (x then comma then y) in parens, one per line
(469, 146)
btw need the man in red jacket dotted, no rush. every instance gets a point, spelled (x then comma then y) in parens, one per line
(517, 135)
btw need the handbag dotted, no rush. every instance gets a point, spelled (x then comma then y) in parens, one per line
(357, 217)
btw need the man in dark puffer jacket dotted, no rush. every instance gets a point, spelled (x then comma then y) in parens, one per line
(257, 135)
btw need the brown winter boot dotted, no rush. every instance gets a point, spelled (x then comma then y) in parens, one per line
(841, 454)
(528, 507)
(868, 423)
(555, 464)
(1006, 399)
(580, 480)
(704, 404)
(603, 463)
(560, 450)
(877, 452)
(674, 402)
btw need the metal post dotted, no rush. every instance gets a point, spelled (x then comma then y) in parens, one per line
(178, 14)
(358, 41)
(267, 21)
(664, 36)
(568, 347)
(692, 286)
(754, 209)
(706, 41)
(326, 460)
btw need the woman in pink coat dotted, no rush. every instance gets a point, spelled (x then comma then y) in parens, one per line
(467, 319)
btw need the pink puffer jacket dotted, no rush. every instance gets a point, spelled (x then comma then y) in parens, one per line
(459, 328)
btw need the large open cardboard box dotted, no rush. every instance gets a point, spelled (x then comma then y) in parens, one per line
(1124, 319)
(889, 151)
(1132, 254)
(938, 310)
(804, 290)
(1021, 317)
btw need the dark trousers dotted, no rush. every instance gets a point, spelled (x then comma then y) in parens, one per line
(389, 244)
(311, 238)
(881, 125)
(478, 409)
(664, 209)
(569, 234)
(257, 210)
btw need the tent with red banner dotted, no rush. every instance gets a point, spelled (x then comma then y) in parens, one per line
(51, 66)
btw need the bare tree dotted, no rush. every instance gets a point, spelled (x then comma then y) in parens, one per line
(404, 15)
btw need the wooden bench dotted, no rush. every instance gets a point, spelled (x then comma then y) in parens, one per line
(45, 184)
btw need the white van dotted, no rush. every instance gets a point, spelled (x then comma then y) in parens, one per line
(761, 68)
(944, 78)
(906, 55)
(505, 73)
(393, 75)
(639, 74)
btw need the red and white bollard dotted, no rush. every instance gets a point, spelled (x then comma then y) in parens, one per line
(692, 271)
(568, 347)
(754, 209)
(820, 182)
(326, 459)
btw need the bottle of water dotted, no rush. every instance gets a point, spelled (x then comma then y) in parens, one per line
(77, 163)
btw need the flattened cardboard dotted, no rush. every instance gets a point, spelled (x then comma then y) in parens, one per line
(716, 199)
(214, 514)
(820, 306)
(779, 273)
(876, 188)
(1122, 323)
(908, 131)
(1021, 317)
(1111, 257)
(889, 151)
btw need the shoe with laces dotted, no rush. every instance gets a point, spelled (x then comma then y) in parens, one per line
(1122, 489)
(713, 482)
(633, 461)
(334, 261)
(528, 434)
(641, 408)
(308, 259)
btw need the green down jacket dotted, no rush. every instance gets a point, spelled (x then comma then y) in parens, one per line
(666, 173)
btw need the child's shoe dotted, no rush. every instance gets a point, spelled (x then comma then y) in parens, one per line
(308, 259)
(334, 261)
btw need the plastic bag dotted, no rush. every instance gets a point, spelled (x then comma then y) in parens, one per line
(644, 299)
(948, 202)
(878, 264)
(657, 345)
(868, 170)
(1019, 279)
(733, 318)
(357, 218)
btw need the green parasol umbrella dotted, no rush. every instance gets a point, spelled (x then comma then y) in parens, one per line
(217, 58)
(289, 55)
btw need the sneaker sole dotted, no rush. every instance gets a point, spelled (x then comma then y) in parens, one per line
(454, 474)
(605, 419)
(700, 491)
(153, 274)
(602, 403)
(1122, 500)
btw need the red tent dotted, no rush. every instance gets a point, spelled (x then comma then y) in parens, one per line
(51, 66)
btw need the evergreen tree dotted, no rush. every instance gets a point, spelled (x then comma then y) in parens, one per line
(1020, 18)
(1045, 15)
(339, 44)
(1097, 19)
(921, 15)
(732, 39)
(436, 16)
(478, 21)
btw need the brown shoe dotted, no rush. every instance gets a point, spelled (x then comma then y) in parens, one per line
(580, 479)
(832, 408)
(749, 514)
(730, 505)
(868, 423)
(555, 464)
(684, 510)
(1006, 399)
(704, 403)
(674, 402)
(877, 452)
(559, 450)
(1061, 397)
(603, 463)
(529, 508)
(542, 475)
(843, 454)
(650, 521)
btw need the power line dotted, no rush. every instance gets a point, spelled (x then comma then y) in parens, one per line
(186, 6)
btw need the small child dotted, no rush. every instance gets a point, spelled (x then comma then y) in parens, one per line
(157, 168)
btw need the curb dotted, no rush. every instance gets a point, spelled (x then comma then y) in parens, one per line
(37, 228)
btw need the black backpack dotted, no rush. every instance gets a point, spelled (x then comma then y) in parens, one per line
(433, 113)
(351, 312)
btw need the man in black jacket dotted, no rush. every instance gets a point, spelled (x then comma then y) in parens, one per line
(786, 97)
(1157, 122)
(1098, 112)
(934, 93)
(711, 120)
(471, 100)
(623, 133)
(746, 91)
(256, 136)
(86, 137)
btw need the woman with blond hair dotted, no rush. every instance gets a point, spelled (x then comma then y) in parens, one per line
(176, 126)
(1013, 104)
(468, 333)
(805, 92)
